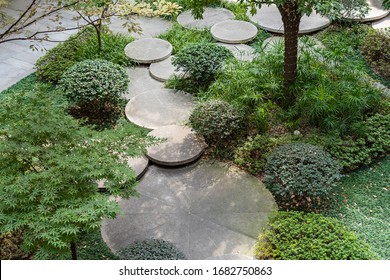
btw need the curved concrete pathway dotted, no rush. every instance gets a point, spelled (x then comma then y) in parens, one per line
(211, 16)
(208, 210)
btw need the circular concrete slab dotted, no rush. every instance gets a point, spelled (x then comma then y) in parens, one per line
(140, 81)
(382, 23)
(207, 210)
(163, 70)
(211, 16)
(181, 146)
(138, 164)
(375, 12)
(233, 31)
(155, 108)
(269, 18)
(148, 50)
(241, 51)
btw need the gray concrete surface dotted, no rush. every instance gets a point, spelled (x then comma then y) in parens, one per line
(211, 16)
(241, 51)
(160, 107)
(140, 81)
(148, 50)
(234, 31)
(181, 146)
(382, 23)
(208, 210)
(163, 70)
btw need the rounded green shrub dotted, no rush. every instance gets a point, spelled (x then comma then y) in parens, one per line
(309, 236)
(217, 121)
(301, 176)
(93, 89)
(201, 61)
(151, 249)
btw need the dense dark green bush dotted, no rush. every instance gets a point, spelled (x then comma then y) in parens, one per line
(353, 152)
(309, 236)
(218, 122)
(151, 249)
(201, 61)
(79, 47)
(94, 89)
(301, 176)
(376, 49)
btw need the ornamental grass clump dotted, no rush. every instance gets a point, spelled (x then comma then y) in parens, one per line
(301, 176)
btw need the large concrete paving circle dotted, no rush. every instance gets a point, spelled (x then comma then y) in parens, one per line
(208, 210)
(269, 18)
(211, 16)
(155, 108)
(140, 81)
(148, 50)
(181, 146)
(149, 26)
(163, 70)
(234, 31)
(375, 12)
(241, 51)
(382, 23)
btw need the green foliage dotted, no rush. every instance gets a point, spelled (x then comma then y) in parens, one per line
(151, 249)
(309, 236)
(10, 247)
(94, 89)
(301, 176)
(353, 152)
(218, 122)
(49, 166)
(376, 50)
(201, 61)
(79, 47)
(253, 154)
(362, 204)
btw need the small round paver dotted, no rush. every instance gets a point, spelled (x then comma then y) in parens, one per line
(181, 146)
(269, 18)
(240, 51)
(138, 164)
(155, 108)
(208, 210)
(375, 12)
(211, 16)
(140, 81)
(148, 50)
(163, 70)
(234, 31)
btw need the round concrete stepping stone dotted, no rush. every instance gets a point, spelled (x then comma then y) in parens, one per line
(375, 12)
(138, 164)
(140, 81)
(207, 210)
(211, 16)
(163, 70)
(269, 18)
(382, 23)
(148, 50)
(241, 51)
(155, 108)
(181, 146)
(233, 31)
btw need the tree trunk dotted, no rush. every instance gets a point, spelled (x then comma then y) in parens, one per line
(98, 29)
(291, 20)
(73, 249)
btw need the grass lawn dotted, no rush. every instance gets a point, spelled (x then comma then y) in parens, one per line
(363, 200)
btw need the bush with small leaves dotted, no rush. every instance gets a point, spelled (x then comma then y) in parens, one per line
(94, 89)
(309, 236)
(218, 122)
(151, 249)
(301, 176)
(201, 61)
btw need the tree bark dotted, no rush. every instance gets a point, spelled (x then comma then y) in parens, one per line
(291, 20)
(73, 249)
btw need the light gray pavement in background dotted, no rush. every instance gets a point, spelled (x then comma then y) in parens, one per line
(208, 210)
(375, 12)
(211, 16)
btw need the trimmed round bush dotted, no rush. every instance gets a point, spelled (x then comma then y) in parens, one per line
(217, 121)
(151, 249)
(94, 89)
(301, 176)
(201, 61)
(309, 236)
